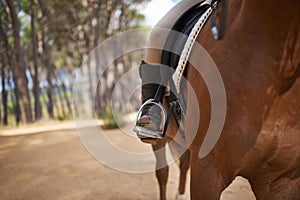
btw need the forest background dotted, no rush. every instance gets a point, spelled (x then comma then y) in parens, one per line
(42, 46)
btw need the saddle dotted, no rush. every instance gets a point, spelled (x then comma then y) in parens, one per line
(171, 54)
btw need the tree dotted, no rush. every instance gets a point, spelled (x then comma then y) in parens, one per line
(4, 91)
(20, 70)
(10, 60)
(47, 55)
(36, 88)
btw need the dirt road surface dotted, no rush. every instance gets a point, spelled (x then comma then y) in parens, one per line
(50, 162)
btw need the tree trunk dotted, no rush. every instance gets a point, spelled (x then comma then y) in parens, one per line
(95, 97)
(15, 99)
(36, 88)
(65, 93)
(91, 87)
(62, 103)
(55, 104)
(46, 38)
(60, 99)
(4, 94)
(20, 63)
(11, 62)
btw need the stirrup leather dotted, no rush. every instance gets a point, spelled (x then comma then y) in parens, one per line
(146, 132)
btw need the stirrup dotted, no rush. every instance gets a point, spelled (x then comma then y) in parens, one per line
(143, 132)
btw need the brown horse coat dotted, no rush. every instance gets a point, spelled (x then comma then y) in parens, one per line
(259, 61)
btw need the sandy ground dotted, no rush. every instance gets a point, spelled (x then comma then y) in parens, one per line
(50, 162)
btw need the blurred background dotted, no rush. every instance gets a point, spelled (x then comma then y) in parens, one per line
(43, 44)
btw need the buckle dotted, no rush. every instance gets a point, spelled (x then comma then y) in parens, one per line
(177, 109)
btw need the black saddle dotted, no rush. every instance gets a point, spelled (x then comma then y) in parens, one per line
(171, 52)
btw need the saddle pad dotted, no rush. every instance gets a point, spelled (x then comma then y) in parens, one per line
(175, 42)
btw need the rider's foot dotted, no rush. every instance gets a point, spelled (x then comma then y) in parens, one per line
(149, 125)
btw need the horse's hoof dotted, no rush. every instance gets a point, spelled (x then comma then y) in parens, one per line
(181, 196)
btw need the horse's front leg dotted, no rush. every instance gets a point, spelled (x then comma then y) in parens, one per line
(184, 164)
(162, 169)
(206, 180)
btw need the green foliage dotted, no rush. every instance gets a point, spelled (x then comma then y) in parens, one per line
(64, 118)
(111, 119)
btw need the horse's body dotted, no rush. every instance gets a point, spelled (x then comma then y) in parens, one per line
(259, 61)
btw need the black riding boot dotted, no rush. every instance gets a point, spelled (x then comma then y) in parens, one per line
(150, 123)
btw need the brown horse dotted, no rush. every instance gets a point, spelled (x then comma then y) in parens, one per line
(162, 172)
(259, 61)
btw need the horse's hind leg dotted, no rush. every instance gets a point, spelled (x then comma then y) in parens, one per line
(162, 168)
(184, 164)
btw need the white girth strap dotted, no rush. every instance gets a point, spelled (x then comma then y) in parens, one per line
(177, 76)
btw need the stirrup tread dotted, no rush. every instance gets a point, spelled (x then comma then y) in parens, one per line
(145, 132)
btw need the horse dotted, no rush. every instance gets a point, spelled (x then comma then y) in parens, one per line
(162, 172)
(259, 61)
(258, 58)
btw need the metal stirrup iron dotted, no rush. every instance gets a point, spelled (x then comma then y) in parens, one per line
(146, 132)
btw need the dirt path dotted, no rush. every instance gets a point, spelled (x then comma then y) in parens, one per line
(55, 165)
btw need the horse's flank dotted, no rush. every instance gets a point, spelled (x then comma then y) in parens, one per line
(259, 61)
